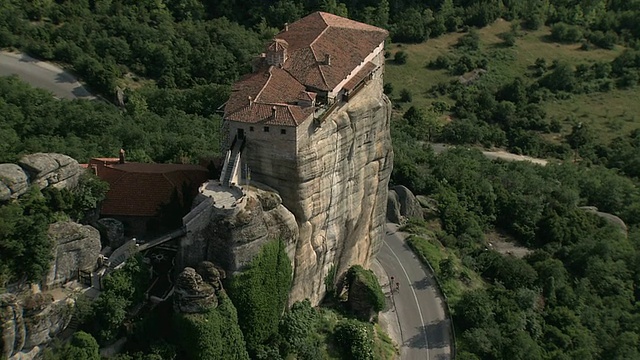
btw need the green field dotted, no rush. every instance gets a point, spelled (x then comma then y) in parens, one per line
(611, 114)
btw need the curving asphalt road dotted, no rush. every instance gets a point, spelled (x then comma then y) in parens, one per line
(42, 75)
(424, 327)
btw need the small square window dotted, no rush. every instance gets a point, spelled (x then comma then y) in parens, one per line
(250, 128)
(266, 129)
(283, 131)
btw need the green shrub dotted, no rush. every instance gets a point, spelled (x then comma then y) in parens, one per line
(355, 339)
(405, 95)
(400, 58)
(260, 293)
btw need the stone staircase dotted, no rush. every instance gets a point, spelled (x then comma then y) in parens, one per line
(234, 162)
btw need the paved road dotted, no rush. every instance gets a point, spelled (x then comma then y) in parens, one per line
(42, 75)
(423, 325)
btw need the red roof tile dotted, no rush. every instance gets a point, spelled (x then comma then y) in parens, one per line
(137, 189)
(309, 43)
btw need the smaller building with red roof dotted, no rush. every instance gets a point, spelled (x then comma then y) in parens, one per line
(147, 198)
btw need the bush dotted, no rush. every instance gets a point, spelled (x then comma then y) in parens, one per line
(387, 88)
(400, 58)
(564, 33)
(405, 96)
(355, 339)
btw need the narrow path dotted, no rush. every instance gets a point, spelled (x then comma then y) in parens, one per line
(424, 326)
(43, 75)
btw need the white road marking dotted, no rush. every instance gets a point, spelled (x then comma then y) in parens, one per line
(414, 296)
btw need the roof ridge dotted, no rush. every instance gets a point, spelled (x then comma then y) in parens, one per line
(324, 79)
(265, 84)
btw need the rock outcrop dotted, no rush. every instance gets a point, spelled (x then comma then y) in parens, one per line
(27, 324)
(76, 247)
(232, 235)
(42, 169)
(402, 204)
(112, 232)
(195, 291)
(333, 191)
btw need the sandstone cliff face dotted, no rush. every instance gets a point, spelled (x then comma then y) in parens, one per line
(42, 169)
(340, 197)
(29, 323)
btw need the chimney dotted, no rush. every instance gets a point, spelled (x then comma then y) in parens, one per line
(286, 26)
(250, 100)
(121, 156)
(327, 59)
(273, 112)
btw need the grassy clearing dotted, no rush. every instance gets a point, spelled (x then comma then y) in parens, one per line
(610, 114)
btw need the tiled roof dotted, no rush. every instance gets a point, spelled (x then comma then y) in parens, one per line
(309, 43)
(357, 78)
(313, 37)
(137, 189)
(285, 115)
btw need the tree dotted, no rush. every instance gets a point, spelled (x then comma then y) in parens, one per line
(400, 57)
(82, 346)
(405, 95)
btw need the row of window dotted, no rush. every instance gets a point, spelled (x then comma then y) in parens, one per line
(266, 129)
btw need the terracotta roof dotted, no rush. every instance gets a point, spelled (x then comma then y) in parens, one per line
(309, 41)
(285, 115)
(138, 189)
(307, 96)
(311, 38)
(364, 72)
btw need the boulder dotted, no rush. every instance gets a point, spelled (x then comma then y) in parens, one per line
(51, 169)
(409, 206)
(112, 232)
(76, 247)
(393, 208)
(13, 178)
(192, 293)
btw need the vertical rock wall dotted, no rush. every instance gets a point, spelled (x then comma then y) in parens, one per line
(340, 198)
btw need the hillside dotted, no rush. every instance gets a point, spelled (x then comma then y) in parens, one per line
(610, 113)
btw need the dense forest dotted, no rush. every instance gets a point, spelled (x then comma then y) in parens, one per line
(575, 296)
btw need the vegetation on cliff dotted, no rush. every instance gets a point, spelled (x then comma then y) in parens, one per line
(365, 296)
(212, 335)
(25, 248)
(260, 294)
